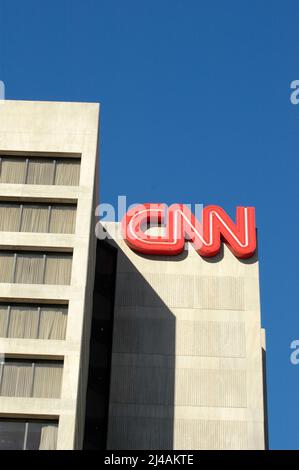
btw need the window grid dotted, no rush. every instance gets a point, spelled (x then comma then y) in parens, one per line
(27, 430)
(68, 174)
(31, 321)
(38, 322)
(54, 171)
(49, 219)
(59, 273)
(8, 320)
(14, 267)
(25, 436)
(28, 383)
(26, 170)
(66, 225)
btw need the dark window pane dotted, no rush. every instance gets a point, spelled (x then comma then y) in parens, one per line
(40, 434)
(11, 435)
(34, 434)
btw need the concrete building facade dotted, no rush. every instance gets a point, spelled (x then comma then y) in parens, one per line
(187, 352)
(173, 345)
(48, 193)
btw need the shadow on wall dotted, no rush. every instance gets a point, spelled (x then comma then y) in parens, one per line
(143, 365)
(97, 398)
(140, 386)
(135, 385)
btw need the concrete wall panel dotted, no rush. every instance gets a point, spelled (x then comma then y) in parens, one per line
(187, 352)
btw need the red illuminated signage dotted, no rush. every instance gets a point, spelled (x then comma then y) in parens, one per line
(181, 225)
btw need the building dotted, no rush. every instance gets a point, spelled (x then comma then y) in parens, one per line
(102, 347)
(48, 192)
(187, 352)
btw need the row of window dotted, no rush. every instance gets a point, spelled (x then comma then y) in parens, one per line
(49, 171)
(35, 268)
(25, 378)
(18, 434)
(54, 218)
(33, 321)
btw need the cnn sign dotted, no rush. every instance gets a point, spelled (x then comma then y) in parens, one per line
(180, 225)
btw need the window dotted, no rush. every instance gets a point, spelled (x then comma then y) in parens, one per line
(33, 321)
(62, 219)
(28, 435)
(25, 378)
(13, 170)
(67, 172)
(9, 217)
(43, 218)
(35, 268)
(41, 171)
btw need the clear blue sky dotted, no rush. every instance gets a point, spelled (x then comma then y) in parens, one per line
(195, 108)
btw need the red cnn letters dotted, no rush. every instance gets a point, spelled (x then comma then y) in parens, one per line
(181, 225)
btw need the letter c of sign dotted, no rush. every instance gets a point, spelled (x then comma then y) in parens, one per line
(136, 220)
